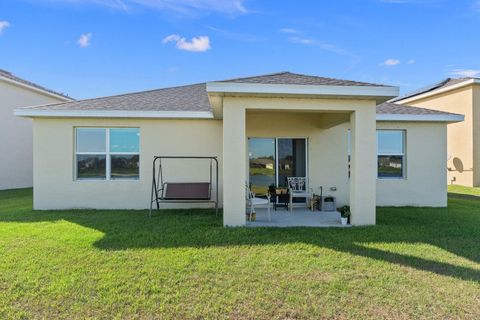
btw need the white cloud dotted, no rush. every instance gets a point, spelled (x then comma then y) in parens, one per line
(4, 25)
(465, 73)
(391, 62)
(289, 30)
(321, 44)
(301, 40)
(197, 44)
(192, 6)
(84, 40)
(183, 7)
(411, 61)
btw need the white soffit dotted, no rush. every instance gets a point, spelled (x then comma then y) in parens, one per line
(421, 117)
(113, 114)
(354, 91)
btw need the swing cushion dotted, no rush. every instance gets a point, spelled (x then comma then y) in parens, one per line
(186, 191)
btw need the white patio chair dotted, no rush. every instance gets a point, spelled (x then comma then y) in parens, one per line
(298, 188)
(253, 202)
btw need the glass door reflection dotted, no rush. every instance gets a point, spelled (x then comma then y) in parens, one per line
(261, 153)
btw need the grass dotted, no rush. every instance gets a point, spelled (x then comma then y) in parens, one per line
(463, 192)
(417, 263)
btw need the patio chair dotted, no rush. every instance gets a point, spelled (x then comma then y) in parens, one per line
(298, 188)
(253, 201)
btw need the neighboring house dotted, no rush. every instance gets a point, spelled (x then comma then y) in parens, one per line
(16, 164)
(309, 121)
(458, 96)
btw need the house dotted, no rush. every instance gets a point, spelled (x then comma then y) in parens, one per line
(16, 162)
(321, 128)
(460, 95)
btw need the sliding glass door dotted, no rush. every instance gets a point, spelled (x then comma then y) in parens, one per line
(272, 160)
(292, 159)
(261, 153)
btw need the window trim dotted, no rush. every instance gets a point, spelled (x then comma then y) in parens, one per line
(396, 154)
(403, 155)
(107, 153)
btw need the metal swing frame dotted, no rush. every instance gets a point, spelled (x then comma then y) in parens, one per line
(159, 187)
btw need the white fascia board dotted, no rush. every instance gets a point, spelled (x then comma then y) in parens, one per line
(35, 89)
(438, 91)
(421, 117)
(24, 112)
(362, 91)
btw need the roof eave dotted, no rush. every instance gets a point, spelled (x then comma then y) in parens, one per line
(450, 118)
(35, 113)
(437, 91)
(39, 90)
(379, 93)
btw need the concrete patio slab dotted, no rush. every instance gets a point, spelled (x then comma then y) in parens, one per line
(300, 217)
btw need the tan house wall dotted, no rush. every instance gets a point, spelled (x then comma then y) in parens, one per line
(476, 134)
(461, 143)
(424, 182)
(56, 188)
(425, 175)
(327, 145)
(16, 162)
(361, 113)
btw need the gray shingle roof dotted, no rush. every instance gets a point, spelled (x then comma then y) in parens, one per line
(395, 108)
(195, 98)
(185, 98)
(13, 77)
(442, 84)
(289, 78)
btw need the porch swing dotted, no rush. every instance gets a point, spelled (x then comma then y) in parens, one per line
(182, 192)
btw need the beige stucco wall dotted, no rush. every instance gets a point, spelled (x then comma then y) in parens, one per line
(362, 111)
(476, 134)
(327, 145)
(54, 184)
(16, 164)
(426, 159)
(55, 187)
(424, 184)
(461, 135)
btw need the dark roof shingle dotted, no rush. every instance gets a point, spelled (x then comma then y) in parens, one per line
(396, 108)
(13, 77)
(185, 98)
(289, 78)
(189, 97)
(439, 85)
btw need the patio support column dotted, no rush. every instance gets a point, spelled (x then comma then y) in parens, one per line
(234, 164)
(363, 166)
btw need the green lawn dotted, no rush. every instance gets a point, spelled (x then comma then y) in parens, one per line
(417, 263)
(461, 191)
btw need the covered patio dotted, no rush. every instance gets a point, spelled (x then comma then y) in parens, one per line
(315, 118)
(299, 217)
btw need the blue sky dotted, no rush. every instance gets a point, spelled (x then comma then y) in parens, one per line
(90, 48)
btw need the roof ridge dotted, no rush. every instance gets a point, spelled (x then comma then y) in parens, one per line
(12, 77)
(301, 75)
(255, 76)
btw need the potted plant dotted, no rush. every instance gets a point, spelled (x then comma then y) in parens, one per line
(345, 214)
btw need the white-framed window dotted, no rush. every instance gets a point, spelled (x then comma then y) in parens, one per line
(391, 154)
(107, 153)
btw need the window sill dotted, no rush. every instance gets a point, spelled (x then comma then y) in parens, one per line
(105, 180)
